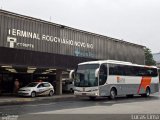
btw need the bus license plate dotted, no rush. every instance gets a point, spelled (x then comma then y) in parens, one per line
(83, 93)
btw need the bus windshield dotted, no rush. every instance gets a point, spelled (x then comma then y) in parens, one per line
(85, 75)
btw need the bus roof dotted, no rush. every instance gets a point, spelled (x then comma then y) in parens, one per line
(105, 61)
(114, 62)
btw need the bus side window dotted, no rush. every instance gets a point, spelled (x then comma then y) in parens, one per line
(112, 69)
(102, 74)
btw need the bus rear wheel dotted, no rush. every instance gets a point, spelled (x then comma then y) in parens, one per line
(147, 92)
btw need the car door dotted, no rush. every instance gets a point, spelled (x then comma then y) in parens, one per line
(40, 89)
(47, 88)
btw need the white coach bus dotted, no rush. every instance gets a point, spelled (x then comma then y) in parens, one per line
(113, 78)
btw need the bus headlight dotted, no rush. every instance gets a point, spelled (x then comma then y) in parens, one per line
(92, 90)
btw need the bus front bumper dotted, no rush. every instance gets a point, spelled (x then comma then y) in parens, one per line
(96, 93)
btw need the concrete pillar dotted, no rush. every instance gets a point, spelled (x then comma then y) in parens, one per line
(58, 82)
(1, 79)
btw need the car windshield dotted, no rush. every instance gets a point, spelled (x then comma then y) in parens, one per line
(85, 75)
(32, 84)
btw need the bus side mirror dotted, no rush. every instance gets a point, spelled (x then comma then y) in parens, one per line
(97, 72)
(72, 74)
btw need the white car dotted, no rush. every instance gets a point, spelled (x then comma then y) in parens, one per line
(36, 88)
(68, 86)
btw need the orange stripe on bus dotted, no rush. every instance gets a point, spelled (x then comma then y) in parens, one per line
(146, 81)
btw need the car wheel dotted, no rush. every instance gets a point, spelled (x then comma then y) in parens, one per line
(71, 90)
(51, 93)
(33, 94)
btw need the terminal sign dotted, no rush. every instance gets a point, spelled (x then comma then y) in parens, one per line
(48, 38)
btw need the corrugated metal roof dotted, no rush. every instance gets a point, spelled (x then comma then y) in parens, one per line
(47, 22)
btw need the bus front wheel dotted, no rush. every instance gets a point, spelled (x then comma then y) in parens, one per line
(113, 94)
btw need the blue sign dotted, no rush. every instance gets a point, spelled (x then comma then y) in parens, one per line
(80, 53)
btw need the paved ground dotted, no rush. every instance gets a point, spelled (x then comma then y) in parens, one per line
(136, 105)
(102, 109)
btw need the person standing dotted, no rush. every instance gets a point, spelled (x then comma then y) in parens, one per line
(16, 85)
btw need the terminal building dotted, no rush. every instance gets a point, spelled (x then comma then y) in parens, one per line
(33, 49)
